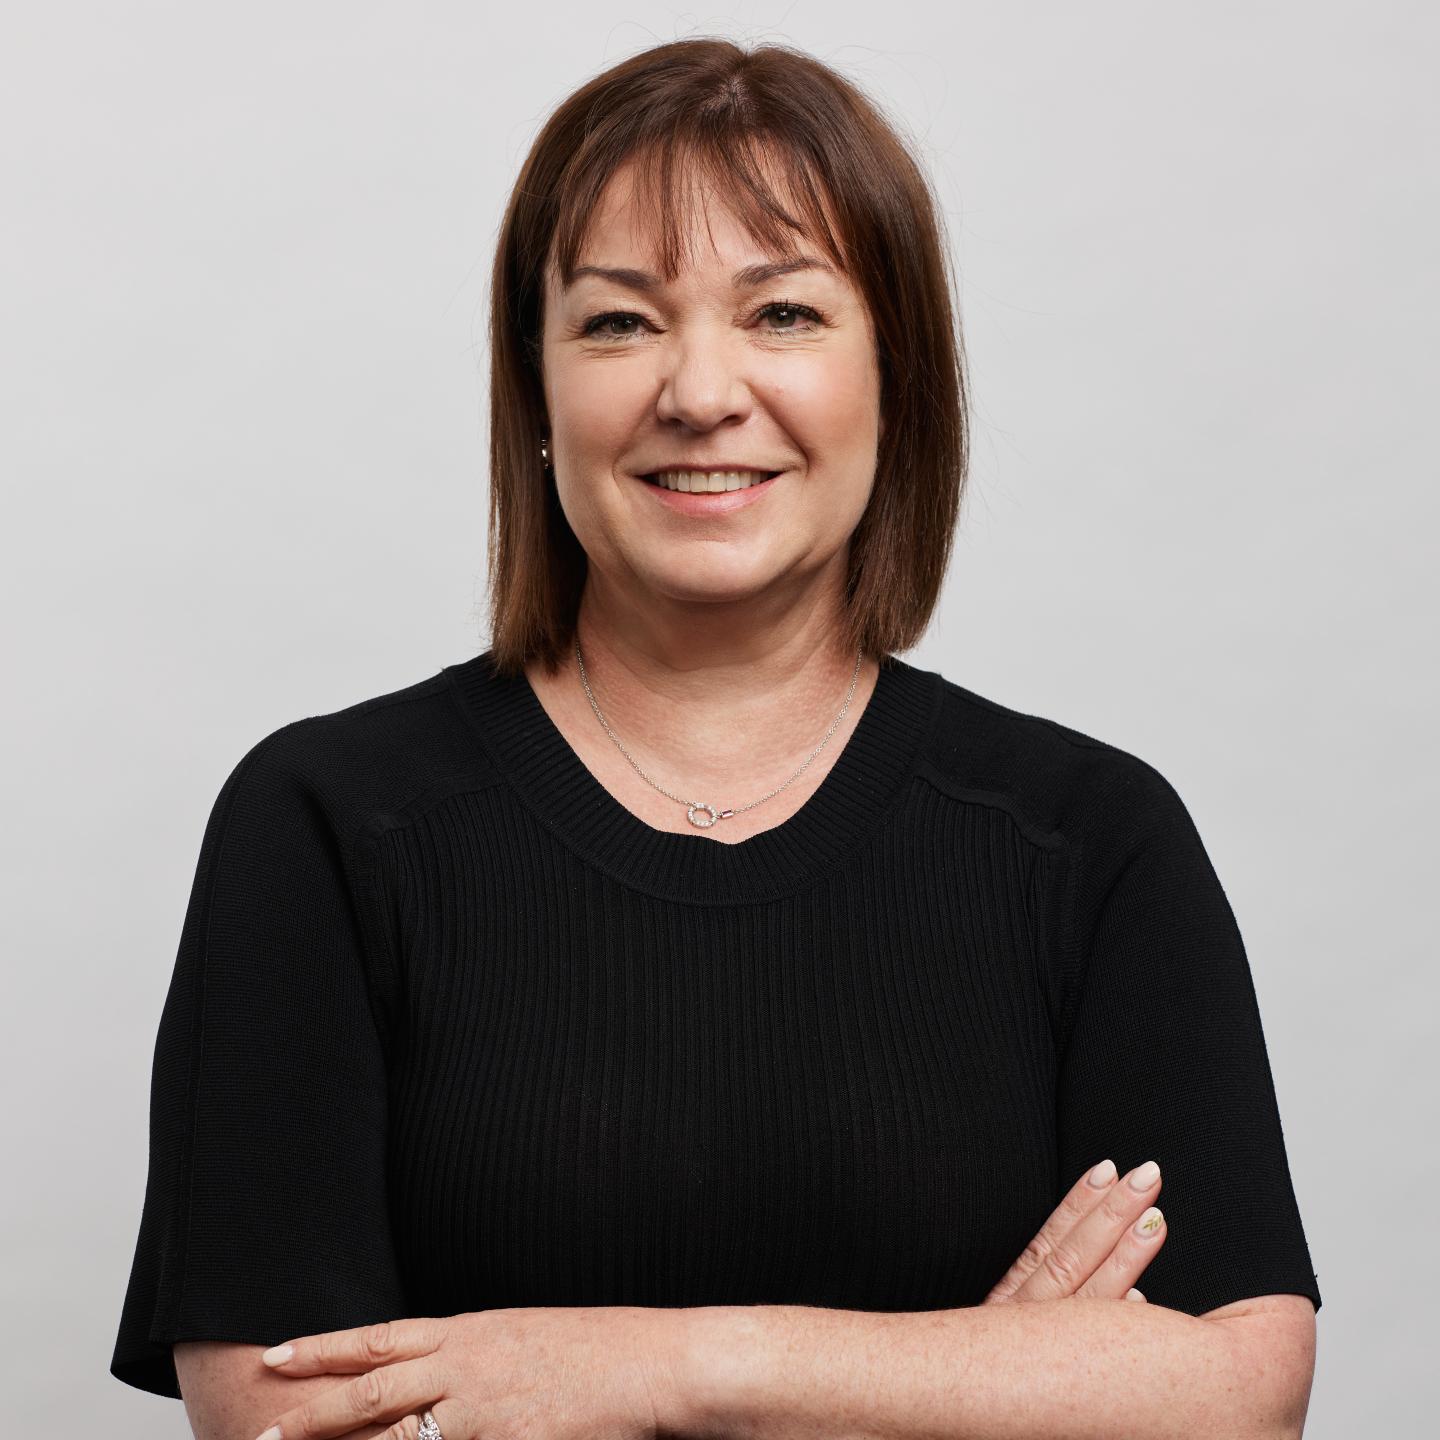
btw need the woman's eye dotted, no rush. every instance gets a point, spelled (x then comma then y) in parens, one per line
(788, 312)
(597, 323)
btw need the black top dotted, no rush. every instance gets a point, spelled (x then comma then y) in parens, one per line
(451, 1029)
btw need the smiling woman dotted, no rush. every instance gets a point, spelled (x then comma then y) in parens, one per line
(716, 261)
(706, 384)
(499, 1092)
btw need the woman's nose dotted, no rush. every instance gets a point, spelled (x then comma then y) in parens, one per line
(702, 383)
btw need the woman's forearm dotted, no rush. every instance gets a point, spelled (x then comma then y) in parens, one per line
(1077, 1369)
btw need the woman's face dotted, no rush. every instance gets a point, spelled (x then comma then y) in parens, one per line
(714, 373)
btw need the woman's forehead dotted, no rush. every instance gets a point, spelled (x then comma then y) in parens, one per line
(633, 255)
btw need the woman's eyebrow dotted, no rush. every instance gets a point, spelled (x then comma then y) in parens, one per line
(747, 278)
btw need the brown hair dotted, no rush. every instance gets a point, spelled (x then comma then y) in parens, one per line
(713, 106)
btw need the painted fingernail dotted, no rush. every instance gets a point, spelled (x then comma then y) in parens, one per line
(273, 1433)
(1145, 1176)
(278, 1354)
(1102, 1174)
(1148, 1225)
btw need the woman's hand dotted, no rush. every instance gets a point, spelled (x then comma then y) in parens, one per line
(1101, 1237)
(602, 1373)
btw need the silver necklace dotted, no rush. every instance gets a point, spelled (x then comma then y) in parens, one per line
(699, 810)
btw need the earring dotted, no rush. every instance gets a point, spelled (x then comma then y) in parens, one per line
(545, 452)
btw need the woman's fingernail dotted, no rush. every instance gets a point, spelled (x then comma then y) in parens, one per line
(278, 1354)
(273, 1433)
(1102, 1174)
(1148, 1225)
(1145, 1176)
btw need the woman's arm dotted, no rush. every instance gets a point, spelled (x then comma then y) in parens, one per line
(1073, 1368)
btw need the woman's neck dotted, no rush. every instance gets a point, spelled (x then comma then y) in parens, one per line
(725, 723)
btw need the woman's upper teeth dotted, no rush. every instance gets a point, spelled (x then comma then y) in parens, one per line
(712, 481)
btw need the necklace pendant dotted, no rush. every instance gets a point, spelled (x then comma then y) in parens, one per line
(694, 816)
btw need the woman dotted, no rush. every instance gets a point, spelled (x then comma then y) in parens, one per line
(687, 1016)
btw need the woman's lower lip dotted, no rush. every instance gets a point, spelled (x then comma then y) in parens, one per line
(703, 502)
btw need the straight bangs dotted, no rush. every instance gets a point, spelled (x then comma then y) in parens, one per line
(762, 179)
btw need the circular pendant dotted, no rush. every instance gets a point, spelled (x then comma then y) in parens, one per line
(696, 820)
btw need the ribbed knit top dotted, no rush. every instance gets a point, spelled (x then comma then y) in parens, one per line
(449, 1028)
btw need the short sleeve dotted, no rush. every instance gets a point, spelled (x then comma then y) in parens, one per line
(1165, 1057)
(265, 1211)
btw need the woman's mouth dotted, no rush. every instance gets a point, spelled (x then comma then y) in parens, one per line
(710, 492)
(709, 482)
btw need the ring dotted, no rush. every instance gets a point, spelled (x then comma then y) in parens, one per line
(429, 1430)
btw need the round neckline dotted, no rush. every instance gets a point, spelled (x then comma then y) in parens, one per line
(862, 785)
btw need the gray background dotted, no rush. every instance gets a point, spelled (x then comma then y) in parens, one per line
(242, 299)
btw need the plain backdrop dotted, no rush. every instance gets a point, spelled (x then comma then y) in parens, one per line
(243, 269)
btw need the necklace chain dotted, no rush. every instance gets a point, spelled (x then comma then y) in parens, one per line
(697, 809)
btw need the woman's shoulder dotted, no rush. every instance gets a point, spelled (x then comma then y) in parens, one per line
(370, 761)
(1055, 776)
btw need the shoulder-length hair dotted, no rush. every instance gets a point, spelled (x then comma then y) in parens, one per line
(707, 107)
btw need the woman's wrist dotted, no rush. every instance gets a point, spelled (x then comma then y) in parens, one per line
(716, 1354)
